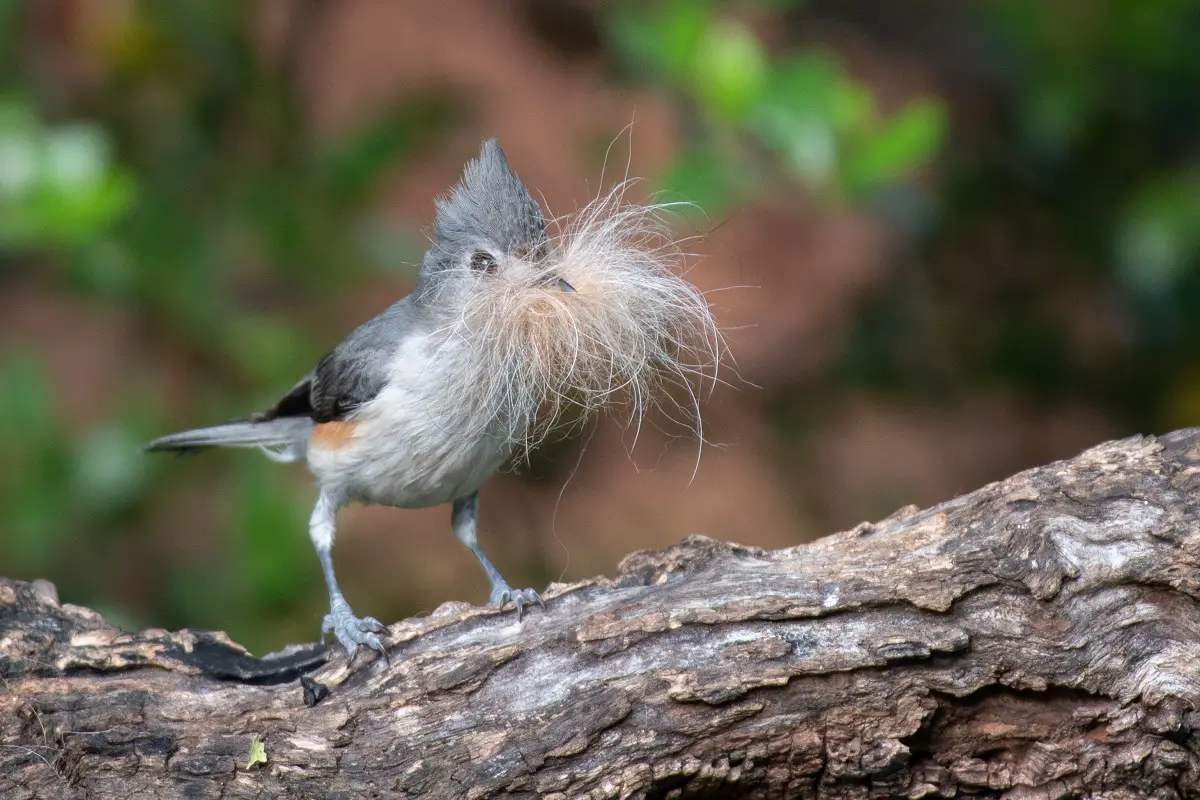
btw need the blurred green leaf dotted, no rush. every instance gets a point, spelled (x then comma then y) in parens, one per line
(899, 146)
(797, 116)
(852, 107)
(803, 106)
(803, 84)
(18, 158)
(729, 69)
(662, 37)
(807, 143)
(1055, 111)
(1159, 237)
(57, 185)
(110, 469)
(76, 157)
(76, 214)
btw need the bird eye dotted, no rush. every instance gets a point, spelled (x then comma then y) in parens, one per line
(483, 262)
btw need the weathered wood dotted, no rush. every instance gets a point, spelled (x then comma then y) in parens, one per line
(1040, 636)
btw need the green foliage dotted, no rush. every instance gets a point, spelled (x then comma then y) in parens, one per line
(902, 142)
(1158, 242)
(58, 185)
(1077, 64)
(110, 473)
(800, 106)
(1115, 82)
(1079, 202)
(728, 70)
(53, 482)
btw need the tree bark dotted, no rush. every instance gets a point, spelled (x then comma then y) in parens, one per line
(1037, 638)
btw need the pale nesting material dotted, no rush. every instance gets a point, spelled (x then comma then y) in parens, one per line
(633, 335)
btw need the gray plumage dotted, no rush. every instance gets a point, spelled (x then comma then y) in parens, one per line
(491, 208)
(385, 376)
(269, 433)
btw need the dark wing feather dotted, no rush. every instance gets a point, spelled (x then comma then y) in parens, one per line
(351, 374)
(296, 403)
(342, 382)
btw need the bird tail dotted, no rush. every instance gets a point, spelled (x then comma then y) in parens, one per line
(283, 438)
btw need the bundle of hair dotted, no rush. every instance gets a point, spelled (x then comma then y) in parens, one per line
(627, 331)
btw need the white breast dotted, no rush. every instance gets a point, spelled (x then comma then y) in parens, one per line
(417, 443)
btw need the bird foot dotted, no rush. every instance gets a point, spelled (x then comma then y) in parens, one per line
(502, 594)
(352, 631)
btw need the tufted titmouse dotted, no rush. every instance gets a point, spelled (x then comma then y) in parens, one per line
(506, 327)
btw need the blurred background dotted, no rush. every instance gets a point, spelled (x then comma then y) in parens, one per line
(954, 239)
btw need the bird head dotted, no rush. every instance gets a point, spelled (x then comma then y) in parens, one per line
(488, 229)
(560, 320)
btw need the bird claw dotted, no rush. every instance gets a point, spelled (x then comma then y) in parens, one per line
(503, 594)
(352, 631)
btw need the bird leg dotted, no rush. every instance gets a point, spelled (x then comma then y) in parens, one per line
(350, 630)
(464, 518)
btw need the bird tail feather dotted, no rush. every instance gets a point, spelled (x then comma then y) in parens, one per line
(288, 433)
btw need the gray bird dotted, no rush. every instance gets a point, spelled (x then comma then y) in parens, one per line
(362, 419)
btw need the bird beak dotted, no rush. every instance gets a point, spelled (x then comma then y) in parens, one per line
(566, 287)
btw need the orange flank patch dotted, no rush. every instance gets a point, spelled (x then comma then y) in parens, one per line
(332, 435)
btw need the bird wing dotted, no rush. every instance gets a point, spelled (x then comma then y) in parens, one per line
(350, 374)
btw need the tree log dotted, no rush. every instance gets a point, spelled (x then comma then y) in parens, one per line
(1037, 638)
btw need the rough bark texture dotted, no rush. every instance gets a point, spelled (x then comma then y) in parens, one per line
(1038, 638)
